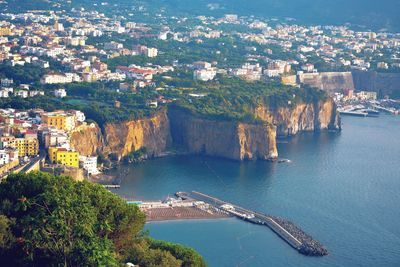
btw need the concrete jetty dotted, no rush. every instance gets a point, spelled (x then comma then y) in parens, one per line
(285, 229)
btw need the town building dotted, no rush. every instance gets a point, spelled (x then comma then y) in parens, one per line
(204, 74)
(63, 156)
(27, 146)
(4, 157)
(89, 164)
(59, 120)
(60, 93)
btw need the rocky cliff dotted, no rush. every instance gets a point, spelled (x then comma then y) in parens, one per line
(303, 117)
(228, 139)
(87, 140)
(197, 135)
(125, 137)
(119, 139)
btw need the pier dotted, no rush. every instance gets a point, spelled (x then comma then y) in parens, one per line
(285, 229)
(178, 209)
(114, 186)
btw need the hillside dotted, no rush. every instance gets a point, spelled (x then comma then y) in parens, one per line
(370, 14)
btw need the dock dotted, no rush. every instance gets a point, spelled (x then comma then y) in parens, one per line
(353, 113)
(285, 229)
(178, 209)
(114, 186)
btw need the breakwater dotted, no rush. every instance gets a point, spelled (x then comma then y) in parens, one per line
(285, 229)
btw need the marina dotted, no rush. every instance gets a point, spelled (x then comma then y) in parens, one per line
(196, 205)
(285, 229)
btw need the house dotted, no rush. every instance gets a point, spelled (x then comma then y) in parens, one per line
(204, 74)
(60, 93)
(64, 156)
(89, 164)
(136, 73)
(55, 79)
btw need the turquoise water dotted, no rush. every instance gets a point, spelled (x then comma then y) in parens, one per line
(342, 188)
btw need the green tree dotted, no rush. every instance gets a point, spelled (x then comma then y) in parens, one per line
(48, 220)
(63, 222)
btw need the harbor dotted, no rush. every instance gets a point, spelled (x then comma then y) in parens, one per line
(196, 205)
(179, 209)
(371, 108)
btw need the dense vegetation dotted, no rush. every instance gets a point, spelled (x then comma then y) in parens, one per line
(224, 98)
(22, 74)
(235, 99)
(97, 100)
(228, 52)
(365, 13)
(47, 220)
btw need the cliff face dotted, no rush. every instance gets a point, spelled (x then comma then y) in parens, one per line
(87, 140)
(195, 135)
(303, 117)
(120, 139)
(126, 137)
(382, 83)
(226, 139)
(330, 82)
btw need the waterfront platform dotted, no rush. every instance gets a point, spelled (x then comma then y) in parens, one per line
(285, 229)
(181, 213)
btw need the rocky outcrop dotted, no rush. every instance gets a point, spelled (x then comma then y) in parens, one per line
(193, 134)
(228, 139)
(120, 139)
(87, 140)
(303, 117)
(125, 137)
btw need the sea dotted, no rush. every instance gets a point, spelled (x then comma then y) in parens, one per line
(341, 188)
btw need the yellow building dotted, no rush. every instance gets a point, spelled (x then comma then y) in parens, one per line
(61, 121)
(5, 31)
(27, 146)
(64, 157)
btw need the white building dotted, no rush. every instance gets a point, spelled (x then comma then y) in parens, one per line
(4, 93)
(55, 78)
(151, 52)
(6, 82)
(4, 157)
(204, 74)
(89, 164)
(79, 115)
(60, 93)
(22, 93)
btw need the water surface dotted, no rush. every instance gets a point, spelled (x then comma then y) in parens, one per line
(343, 189)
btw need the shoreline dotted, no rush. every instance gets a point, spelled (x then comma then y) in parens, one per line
(188, 220)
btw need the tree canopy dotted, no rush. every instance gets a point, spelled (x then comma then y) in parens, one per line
(48, 220)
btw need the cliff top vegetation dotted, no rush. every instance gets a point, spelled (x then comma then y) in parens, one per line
(225, 98)
(236, 99)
